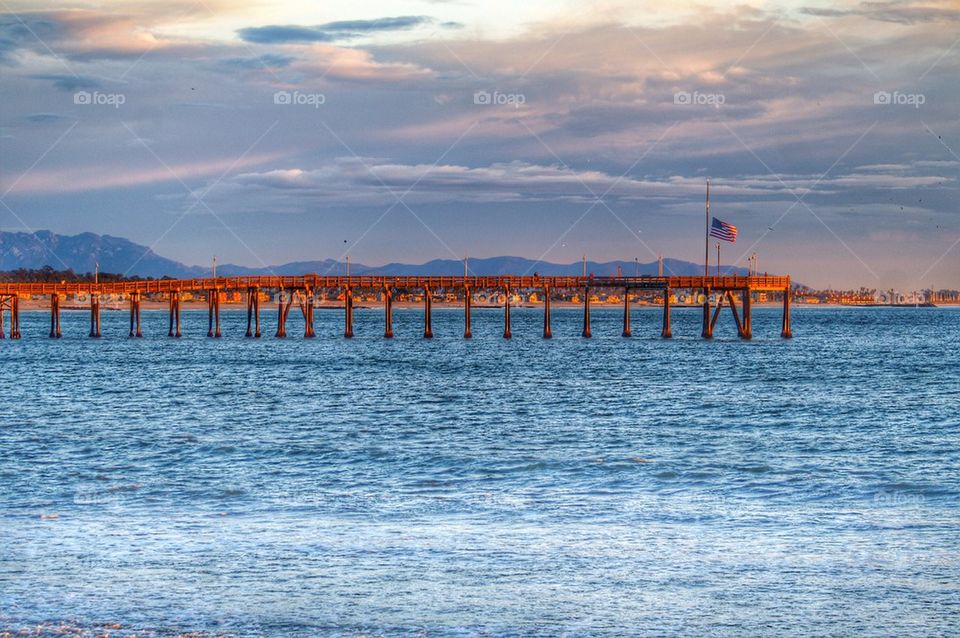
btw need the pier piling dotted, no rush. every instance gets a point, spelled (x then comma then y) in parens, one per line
(467, 302)
(427, 313)
(547, 332)
(348, 313)
(785, 331)
(250, 299)
(747, 316)
(281, 315)
(256, 313)
(216, 314)
(306, 308)
(707, 330)
(626, 312)
(210, 313)
(55, 316)
(172, 302)
(586, 313)
(95, 316)
(387, 313)
(666, 332)
(507, 334)
(135, 315)
(15, 317)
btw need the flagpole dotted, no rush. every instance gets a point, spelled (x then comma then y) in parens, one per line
(718, 259)
(706, 235)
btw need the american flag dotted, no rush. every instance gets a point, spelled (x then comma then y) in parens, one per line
(723, 230)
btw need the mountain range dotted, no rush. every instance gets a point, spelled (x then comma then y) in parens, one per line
(81, 253)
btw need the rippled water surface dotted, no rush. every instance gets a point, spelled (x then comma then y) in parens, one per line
(446, 487)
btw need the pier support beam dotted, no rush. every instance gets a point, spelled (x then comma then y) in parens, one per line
(626, 312)
(736, 314)
(216, 314)
(785, 331)
(55, 316)
(256, 312)
(174, 309)
(586, 313)
(306, 308)
(135, 315)
(281, 315)
(213, 313)
(348, 313)
(387, 313)
(210, 313)
(15, 317)
(427, 313)
(95, 315)
(707, 330)
(467, 302)
(666, 332)
(716, 312)
(12, 303)
(747, 316)
(253, 305)
(507, 333)
(547, 332)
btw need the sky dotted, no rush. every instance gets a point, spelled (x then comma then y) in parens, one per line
(265, 132)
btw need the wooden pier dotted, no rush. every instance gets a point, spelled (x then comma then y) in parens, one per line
(300, 290)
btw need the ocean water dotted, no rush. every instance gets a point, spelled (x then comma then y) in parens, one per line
(406, 487)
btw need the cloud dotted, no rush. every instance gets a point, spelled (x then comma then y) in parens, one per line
(331, 62)
(379, 24)
(91, 177)
(45, 117)
(267, 60)
(375, 182)
(69, 83)
(275, 34)
(22, 31)
(896, 12)
(329, 32)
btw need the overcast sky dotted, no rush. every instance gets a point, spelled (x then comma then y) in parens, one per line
(274, 131)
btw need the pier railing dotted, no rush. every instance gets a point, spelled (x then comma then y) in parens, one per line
(296, 282)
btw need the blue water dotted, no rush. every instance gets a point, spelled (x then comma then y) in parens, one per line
(602, 487)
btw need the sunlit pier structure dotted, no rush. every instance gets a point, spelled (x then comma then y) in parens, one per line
(300, 290)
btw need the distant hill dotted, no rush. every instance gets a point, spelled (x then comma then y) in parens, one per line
(81, 253)
(117, 255)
